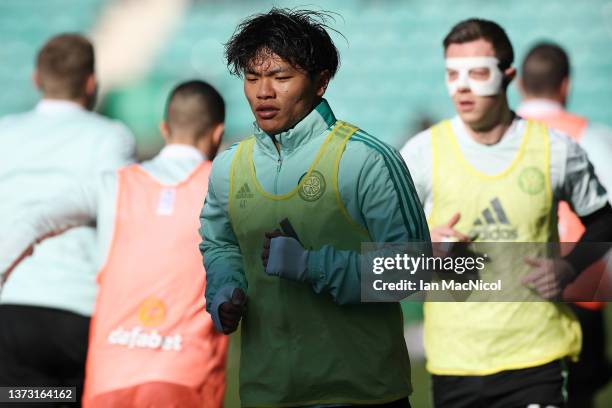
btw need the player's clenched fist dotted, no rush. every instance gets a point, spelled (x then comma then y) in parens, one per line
(232, 311)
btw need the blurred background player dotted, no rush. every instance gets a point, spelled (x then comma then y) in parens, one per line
(306, 338)
(545, 86)
(152, 344)
(481, 174)
(47, 300)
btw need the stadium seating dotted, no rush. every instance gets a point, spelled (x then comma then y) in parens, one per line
(24, 26)
(391, 76)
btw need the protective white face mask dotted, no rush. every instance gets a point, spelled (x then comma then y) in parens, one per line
(480, 74)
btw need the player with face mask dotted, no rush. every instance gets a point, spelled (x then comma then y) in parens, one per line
(490, 176)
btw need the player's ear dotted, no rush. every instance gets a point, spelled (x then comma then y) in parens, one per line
(217, 134)
(36, 80)
(565, 88)
(91, 84)
(322, 80)
(164, 130)
(210, 142)
(510, 74)
(519, 85)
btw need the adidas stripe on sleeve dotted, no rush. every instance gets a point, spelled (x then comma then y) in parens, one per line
(410, 208)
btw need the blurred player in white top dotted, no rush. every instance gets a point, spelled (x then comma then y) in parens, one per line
(151, 281)
(545, 85)
(47, 300)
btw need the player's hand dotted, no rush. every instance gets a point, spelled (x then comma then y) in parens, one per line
(549, 277)
(265, 253)
(231, 312)
(447, 232)
(287, 259)
(444, 235)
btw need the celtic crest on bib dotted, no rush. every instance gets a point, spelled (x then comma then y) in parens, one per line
(313, 186)
(531, 180)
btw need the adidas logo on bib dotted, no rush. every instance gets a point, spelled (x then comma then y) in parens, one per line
(244, 192)
(243, 195)
(493, 224)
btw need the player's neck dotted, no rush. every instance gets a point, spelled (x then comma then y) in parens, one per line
(200, 144)
(492, 132)
(556, 98)
(81, 101)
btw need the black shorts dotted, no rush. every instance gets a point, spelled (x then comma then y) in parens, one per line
(544, 385)
(593, 370)
(401, 403)
(42, 347)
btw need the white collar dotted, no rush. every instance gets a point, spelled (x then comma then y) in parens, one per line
(182, 151)
(538, 107)
(57, 106)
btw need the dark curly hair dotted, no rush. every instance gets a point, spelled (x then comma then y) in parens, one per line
(298, 36)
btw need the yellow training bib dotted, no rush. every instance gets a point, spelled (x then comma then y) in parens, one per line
(299, 348)
(514, 205)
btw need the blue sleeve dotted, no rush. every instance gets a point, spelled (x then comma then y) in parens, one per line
(219, 246)
(388, 208)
